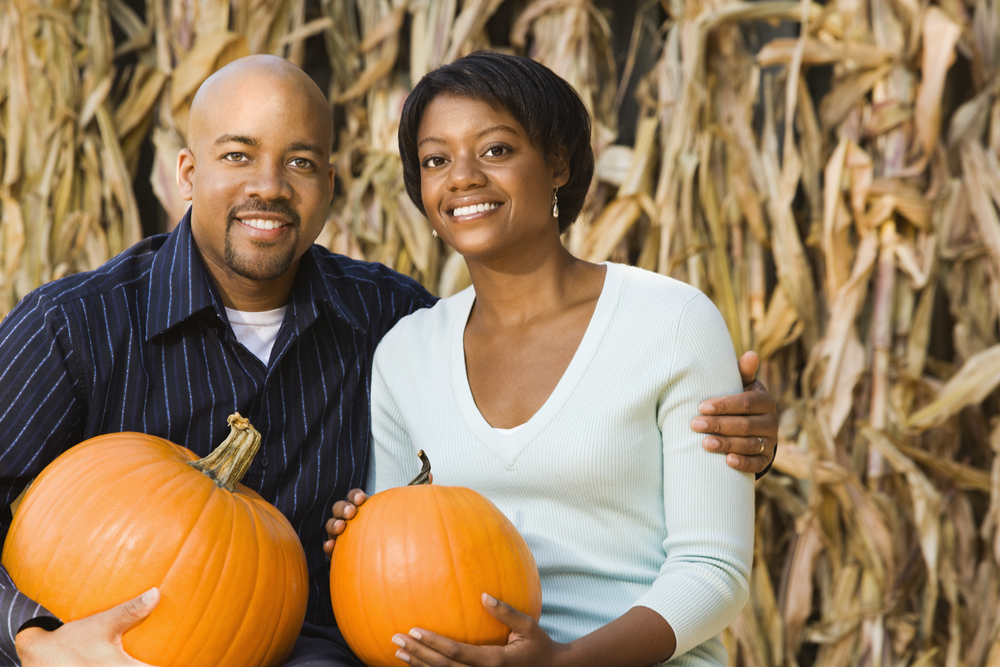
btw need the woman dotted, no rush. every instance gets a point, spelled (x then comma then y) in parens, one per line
(559, 389)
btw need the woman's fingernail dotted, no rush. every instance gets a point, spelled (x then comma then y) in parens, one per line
(398, 641)
(149, 596)
(416, 634)
(402, 656)
(489, 599)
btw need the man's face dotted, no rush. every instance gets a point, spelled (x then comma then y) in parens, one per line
(257, 174)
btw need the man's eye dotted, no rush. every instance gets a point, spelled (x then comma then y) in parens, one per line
(301, 163)
(235, 157)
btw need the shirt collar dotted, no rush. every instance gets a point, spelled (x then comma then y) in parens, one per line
(180, 287)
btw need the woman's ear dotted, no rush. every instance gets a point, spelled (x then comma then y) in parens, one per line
(560, 167)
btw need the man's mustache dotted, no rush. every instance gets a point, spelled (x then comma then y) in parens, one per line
(261, 206)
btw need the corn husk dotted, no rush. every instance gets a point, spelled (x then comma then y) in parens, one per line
(835, 191)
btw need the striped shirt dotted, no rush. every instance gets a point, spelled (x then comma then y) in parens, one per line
(143, 344)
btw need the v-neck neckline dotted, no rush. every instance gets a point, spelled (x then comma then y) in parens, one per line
(508, 446)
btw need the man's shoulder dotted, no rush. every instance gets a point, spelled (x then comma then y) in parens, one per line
(370, 278)
(126, 269)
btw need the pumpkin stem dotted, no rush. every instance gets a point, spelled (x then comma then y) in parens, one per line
(229, 461)
(425, 471)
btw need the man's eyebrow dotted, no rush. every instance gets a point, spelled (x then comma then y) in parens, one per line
(305, 146)
(479, 135)
(253, 141)
(237, 139)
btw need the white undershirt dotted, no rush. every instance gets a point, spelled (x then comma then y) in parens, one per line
(258, 330)
(507, 431)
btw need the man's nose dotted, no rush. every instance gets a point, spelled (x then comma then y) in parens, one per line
(269, 180)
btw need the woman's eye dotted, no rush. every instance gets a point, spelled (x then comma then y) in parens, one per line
(432, 162)
(496, 151)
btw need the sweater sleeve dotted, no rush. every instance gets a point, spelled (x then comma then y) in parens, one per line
(708, 506)
(393, 459)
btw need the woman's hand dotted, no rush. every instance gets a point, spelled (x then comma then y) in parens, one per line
(744, 426)
(343, 511)
(527, 645)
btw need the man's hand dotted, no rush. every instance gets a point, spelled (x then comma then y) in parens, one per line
(343, 511)
(744, 426)
(95, 640)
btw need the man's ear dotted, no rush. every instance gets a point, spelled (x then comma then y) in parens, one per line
(331, 172)
(185, 173)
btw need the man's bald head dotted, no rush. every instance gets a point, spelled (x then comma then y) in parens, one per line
(258, 175)
(252, 76)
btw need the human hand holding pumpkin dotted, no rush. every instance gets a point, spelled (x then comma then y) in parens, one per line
(343, 511)
(528, 644)
(94, 640)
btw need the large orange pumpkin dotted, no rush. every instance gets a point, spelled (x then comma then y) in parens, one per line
(120, 513)
(422, 556)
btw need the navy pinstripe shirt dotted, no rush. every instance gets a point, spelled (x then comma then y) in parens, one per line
(143, 344)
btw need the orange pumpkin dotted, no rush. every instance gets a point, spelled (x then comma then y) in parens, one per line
(121, 513)
(422, 556)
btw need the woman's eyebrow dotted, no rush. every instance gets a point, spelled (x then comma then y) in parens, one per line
(479, 135)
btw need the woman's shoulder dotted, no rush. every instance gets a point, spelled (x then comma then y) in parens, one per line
(427, 328)
(662, 294)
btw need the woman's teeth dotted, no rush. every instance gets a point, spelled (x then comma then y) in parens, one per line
(261, 224)
(475, 208)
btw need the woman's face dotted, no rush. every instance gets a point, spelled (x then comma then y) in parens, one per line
(486, 189)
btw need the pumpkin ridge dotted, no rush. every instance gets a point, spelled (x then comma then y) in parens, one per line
(54, 501)
(245, 511)
(207, 514)
(455, 565)
(265, 522)
(65, 542)
(484, 621)
(368, 616)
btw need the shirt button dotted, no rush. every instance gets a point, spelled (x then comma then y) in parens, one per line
(264, 462)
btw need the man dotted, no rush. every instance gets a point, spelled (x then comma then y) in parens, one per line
(234, 310)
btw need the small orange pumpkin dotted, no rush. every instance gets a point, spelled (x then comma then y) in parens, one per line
(422, 556)
(120, 513)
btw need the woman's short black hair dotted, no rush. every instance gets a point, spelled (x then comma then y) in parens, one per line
(548, 108)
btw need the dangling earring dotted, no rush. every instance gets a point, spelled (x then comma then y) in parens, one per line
(434, 233)
(555, 203)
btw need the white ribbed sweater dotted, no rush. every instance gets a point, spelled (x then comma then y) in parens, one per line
(607, 483)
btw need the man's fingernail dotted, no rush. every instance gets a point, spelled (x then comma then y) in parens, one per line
(398, 641)
(732, 459)
(706, 408)
(712, 444)
(489, 599)
(148, 597)
(699, 423)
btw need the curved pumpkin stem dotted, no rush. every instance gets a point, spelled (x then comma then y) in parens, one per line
(229, 461)
(425, 471)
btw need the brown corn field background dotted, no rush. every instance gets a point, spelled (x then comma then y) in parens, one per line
(849, 232)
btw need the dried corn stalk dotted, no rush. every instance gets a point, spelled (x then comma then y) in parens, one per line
(852, 238)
